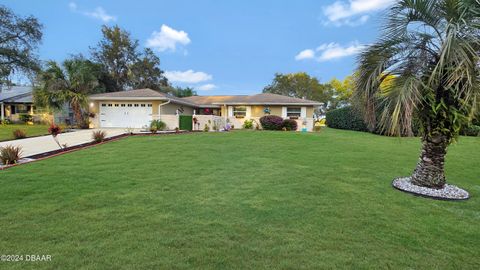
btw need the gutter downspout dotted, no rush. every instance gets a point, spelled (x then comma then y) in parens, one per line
(159, 109)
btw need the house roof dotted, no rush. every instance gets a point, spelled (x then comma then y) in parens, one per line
(205, 101)
(16, 94)
(259, 99)
(139, 94)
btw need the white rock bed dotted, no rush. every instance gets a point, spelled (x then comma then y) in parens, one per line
(448, 192)
(23, 160)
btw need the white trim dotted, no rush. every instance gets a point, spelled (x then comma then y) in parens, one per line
(248, 113)
(284, 112)
(230, 111)
(128, 98)
(303, 113)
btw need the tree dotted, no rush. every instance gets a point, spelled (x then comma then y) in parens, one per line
(70, 84)
(432, 48)
(146, 72)
(299, 85)
(343, 91)
(179, 91)
(116, 52)
(19, 38)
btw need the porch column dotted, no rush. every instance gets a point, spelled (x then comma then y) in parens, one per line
(2, 109)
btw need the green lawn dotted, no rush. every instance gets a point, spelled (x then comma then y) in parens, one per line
(240, 200)
(6, 131)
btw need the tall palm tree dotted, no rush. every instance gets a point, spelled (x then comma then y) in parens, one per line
(432, 48)
(69, 84)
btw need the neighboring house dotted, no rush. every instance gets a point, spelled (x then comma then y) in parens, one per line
(137, 108)
(14, 101)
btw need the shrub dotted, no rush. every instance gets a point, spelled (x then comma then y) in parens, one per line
(271, 122)
(19, 134)
(25, 118)
(346, 118)
(317, 128)
(471, 130)
(99, 136)
(206, 128)
(5, 122)
(157, 125)
(248, 124)
(290, 124)
(10, 154)
(54, 130)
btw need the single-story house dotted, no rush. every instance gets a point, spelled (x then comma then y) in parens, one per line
(14, 101)
(137, 108)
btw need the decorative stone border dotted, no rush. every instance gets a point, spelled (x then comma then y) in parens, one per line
(448, 192)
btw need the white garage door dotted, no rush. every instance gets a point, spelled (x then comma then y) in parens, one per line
(128, 114)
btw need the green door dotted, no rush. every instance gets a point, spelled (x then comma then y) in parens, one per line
(185, 122)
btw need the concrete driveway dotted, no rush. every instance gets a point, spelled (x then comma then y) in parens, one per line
(42, 144)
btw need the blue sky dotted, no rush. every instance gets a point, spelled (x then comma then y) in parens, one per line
(219, 47)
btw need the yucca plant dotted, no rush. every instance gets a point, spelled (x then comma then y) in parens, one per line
(432, 49)
(10, 154)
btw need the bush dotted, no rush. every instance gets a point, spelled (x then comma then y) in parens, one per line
(271, 122)
(157, 125)
(10, 154)
(289, 124)
(99, 136)
(25, 118)
(248, 124)
(346, 118)
(19, 134)
(54, 130)
(470, 130)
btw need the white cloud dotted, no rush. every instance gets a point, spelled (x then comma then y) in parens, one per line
(188, 76)
(97, 13)
(353, 12)
(334, 51)
(207, 87)
(167, 39)
(330, 51)
(305, 54)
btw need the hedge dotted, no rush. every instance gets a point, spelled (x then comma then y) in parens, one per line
(271, 122)
(346, 118)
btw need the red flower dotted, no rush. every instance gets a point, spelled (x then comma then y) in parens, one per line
(54, 130)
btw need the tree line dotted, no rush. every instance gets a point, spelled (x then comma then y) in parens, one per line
(115, 63)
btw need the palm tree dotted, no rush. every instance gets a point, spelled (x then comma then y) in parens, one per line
(432, 48)
(70, 84)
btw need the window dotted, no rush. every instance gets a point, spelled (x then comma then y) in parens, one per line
(149, 105)
(104, 105)
(136, 105)
(109, 105)
(142, 105)
(21, 108)
(116, 105)
(129, 105)
(239, 111)
(294, 112)
(122, 105)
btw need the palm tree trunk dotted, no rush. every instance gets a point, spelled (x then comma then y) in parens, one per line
(430, 167)
(77, 112)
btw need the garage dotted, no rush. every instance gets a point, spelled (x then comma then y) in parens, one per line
(125, 114)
